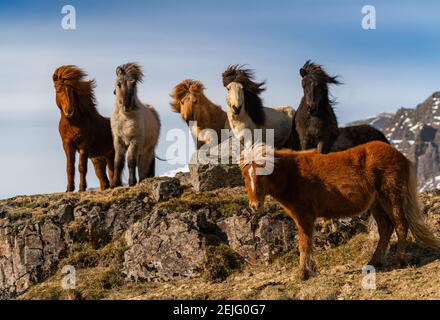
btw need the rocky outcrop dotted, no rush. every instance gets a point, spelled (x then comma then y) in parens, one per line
(168, 244)
(216, 167)
(167, 233)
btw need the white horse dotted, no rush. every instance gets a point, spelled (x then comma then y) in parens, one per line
(245, 109)
(135, 127)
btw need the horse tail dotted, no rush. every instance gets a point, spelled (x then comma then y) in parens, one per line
(160, 159)
(413, 214)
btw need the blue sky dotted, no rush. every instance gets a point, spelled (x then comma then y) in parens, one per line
(393, 66)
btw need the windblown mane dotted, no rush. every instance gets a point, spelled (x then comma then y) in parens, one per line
(73, 76)
(182, 89)
(252, 89)
(318, 73)
(132, 70)
(259, 153)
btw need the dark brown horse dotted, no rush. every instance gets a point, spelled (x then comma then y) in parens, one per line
(309, 185)
(82, 128)
(315, 122)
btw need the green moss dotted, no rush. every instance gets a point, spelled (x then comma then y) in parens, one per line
(221, 262)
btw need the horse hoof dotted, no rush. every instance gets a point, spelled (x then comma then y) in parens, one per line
(70, 189)
(304, 275)
(116, 184)
(402, 262)
(376, 264)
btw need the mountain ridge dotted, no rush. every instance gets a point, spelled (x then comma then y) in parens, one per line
(415, 132)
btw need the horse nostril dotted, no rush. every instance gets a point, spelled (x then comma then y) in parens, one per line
(312, 109)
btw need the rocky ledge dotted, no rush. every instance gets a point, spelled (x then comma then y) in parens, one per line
(157, 232)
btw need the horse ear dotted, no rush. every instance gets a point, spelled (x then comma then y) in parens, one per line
(302, 72)
(119, 71)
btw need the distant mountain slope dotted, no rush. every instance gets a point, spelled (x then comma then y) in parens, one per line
(416, 133)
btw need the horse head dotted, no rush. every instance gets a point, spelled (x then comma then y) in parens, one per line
(235, 98)
(257, 162)
(66, 100)
(315, 83)
(69, 85)
(188, 99)
(127, 77)
(243, 93)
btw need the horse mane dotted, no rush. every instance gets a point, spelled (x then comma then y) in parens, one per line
(73, 76)
(182, 89)
(259, 153)
(132, 70)
(252, 89)
(318, 73)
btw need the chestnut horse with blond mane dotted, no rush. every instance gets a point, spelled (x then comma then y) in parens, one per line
(190, 101)
(82, 128)
(342, 184)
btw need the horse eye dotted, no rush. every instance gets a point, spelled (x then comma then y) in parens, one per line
(119, 84)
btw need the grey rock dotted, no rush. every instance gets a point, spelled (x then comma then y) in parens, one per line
(164, 188)
(217, 167)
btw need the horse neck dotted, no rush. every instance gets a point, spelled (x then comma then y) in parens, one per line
(277, 183)
(210, 110)
(84, 117)
(253, 102)
(324, 105)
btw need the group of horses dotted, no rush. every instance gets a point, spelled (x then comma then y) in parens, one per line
(132, 132)
(319, 169)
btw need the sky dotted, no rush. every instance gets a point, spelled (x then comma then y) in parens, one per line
(396, 65)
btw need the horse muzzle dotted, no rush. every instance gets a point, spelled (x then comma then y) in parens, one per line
(68, 115)
(236, 110)
(313, 110)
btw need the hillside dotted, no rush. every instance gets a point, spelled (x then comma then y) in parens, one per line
(415, 132)
(162, 240)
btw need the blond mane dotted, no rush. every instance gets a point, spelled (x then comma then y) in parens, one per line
(185, 87)
(258, 153)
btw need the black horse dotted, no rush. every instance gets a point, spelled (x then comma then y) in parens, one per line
(315, 122)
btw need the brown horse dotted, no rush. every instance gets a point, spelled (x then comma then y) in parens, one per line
(342, 184)
(190, 101)
(82, 128)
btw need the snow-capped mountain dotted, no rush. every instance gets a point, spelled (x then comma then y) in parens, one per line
(416, 133)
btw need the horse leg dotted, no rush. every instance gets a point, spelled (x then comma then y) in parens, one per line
(307, 265)
(110, 161)
(120, 150)
(99, 164)
(146, 165)
(401, 225)
(132, 159)
(152, 169)
(82, 167)
(324, 146)
(69, 150)
(320, 147)
(385, 228)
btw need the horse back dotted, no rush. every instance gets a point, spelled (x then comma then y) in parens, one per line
(280, 121)
(352, 136)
